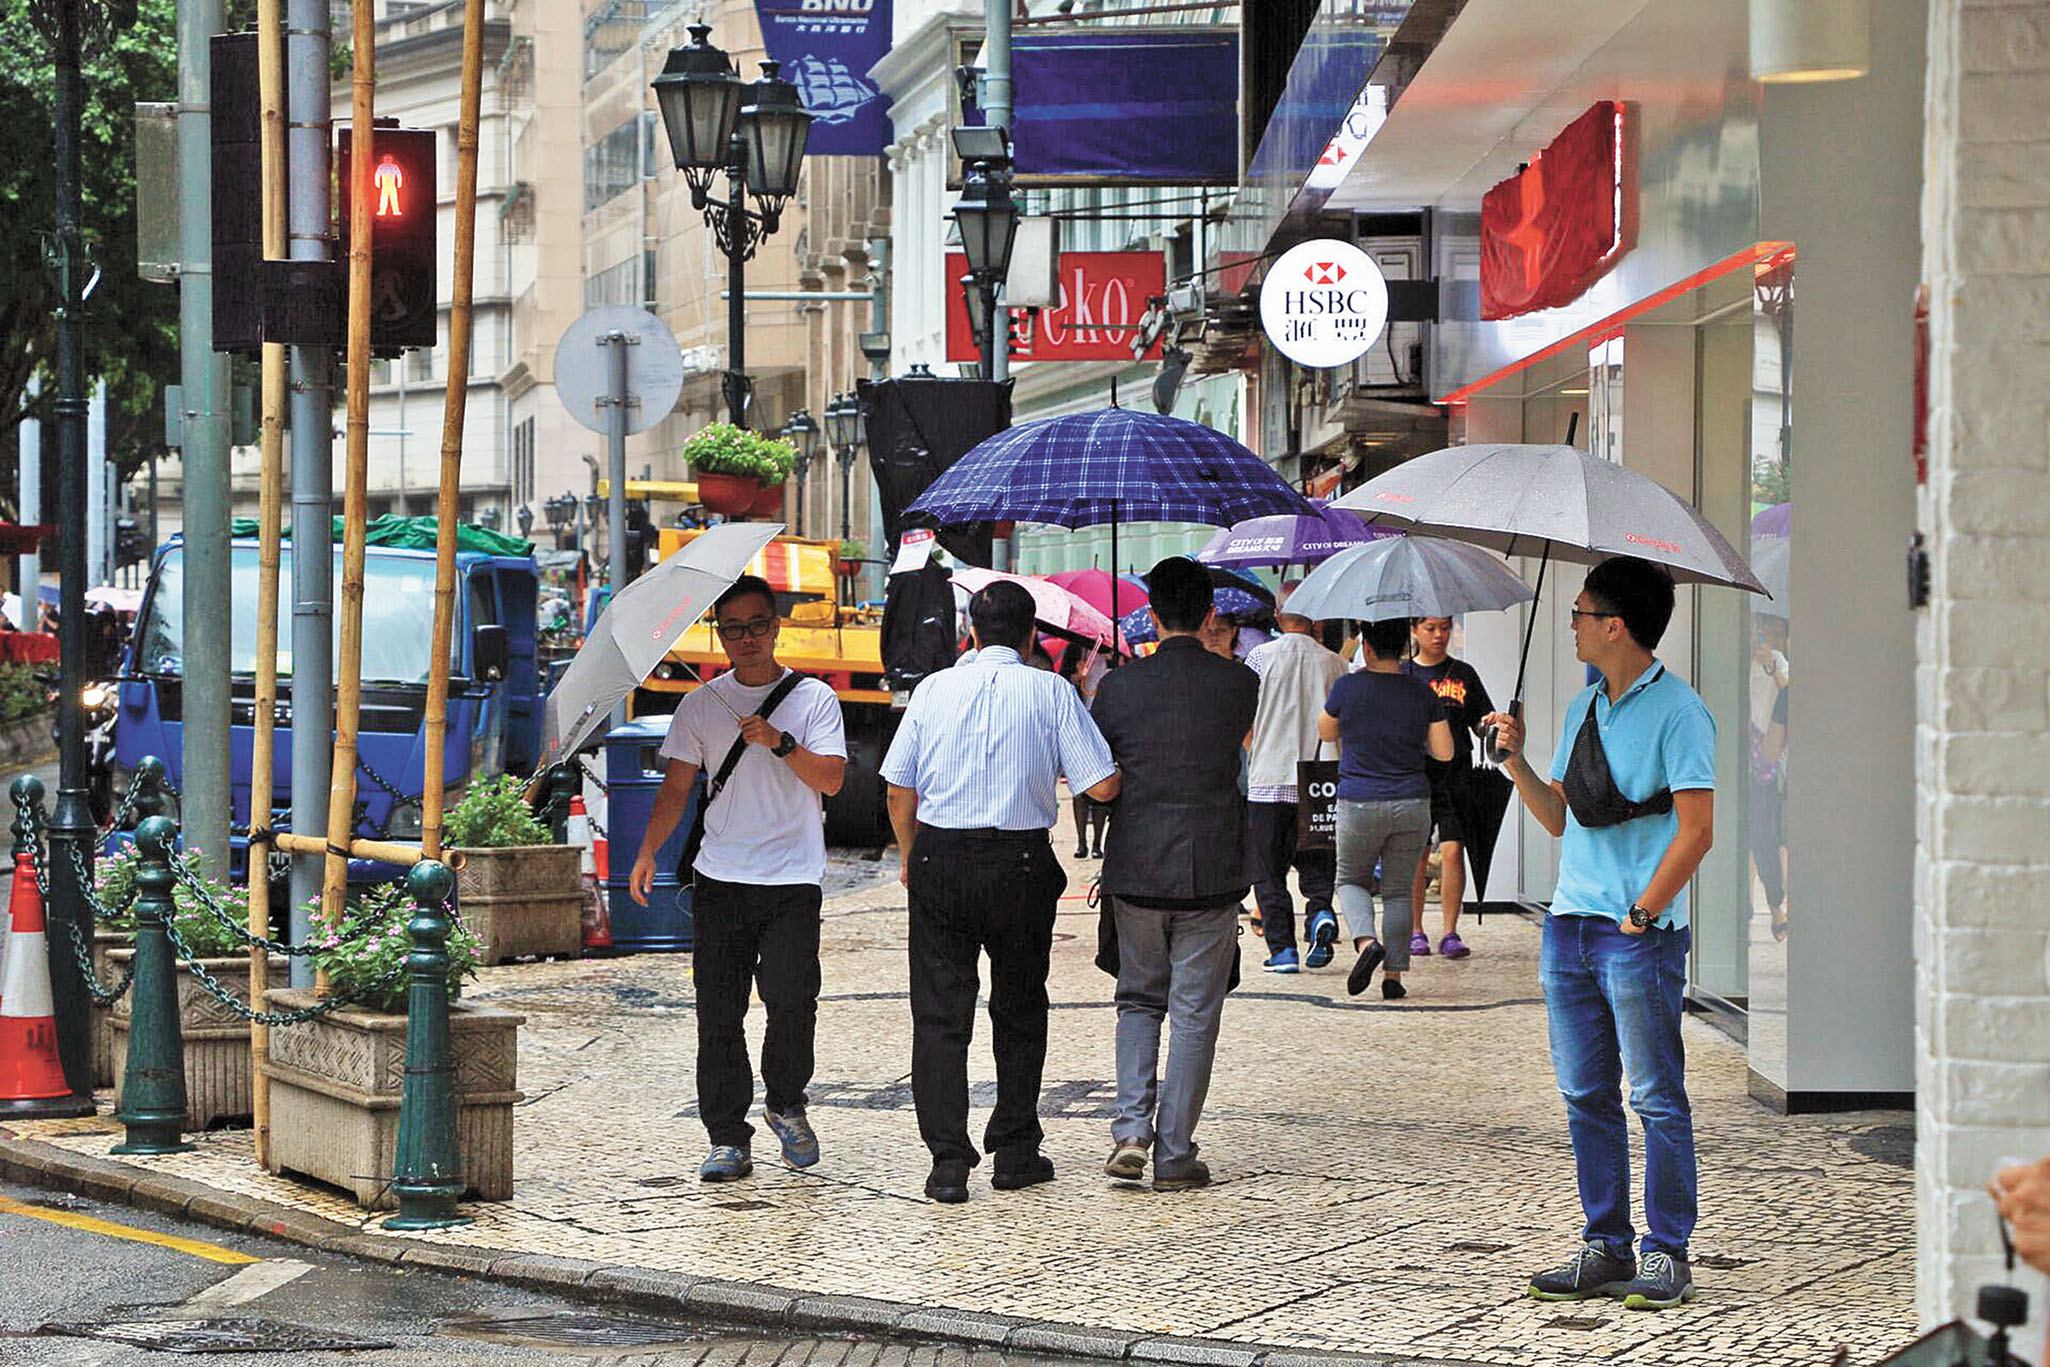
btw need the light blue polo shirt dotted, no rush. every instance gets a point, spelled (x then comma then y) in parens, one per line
(1659, 734)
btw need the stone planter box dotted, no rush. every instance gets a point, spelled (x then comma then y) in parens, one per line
(99, 1034)
(216, 1039)
(25, 740)
(334, 1099)
(523, 899)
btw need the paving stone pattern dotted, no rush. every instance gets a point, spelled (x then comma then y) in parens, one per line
(1389, 1174)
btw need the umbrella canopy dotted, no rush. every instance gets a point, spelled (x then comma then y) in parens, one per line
(1110, 466)
(1094, 588)
(638, 627)
(1771, 557)
(1407, 576)
(1055, 608)
(1557, 501)
(1289, 539)
(1137, 625)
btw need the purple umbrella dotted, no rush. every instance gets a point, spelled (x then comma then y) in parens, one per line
(1290, 539)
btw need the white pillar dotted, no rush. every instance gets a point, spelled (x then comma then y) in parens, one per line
(31, 513)
(96, 528)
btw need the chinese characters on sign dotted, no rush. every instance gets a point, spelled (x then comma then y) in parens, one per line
(1103, 297)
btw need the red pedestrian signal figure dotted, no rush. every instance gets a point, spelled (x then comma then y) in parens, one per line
(388, 178)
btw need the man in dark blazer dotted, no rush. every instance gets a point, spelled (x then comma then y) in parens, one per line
(1174, 870)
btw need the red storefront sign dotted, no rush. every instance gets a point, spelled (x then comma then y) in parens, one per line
(1103, 297)
(1555, 227)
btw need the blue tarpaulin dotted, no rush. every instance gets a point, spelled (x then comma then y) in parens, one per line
(1127, 107)
(826, 48)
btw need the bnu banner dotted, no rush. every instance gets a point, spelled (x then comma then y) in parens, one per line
(826, 48)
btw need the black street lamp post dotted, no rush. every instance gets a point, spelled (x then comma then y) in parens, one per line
(802, 432)
(988, 219)
(756, 135)
(844, 433)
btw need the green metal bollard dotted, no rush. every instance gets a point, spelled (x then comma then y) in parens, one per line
(428, 1179)
(150, 776)
(153, 1084)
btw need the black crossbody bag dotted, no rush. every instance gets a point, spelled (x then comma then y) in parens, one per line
(1590, 785)
(686, 870)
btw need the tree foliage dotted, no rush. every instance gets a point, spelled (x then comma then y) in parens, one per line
(131, 333)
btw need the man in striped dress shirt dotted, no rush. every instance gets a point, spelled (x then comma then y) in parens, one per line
(972, 776)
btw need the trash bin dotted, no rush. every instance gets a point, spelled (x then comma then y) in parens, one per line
(633, 768)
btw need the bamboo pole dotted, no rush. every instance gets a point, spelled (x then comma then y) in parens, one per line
(448, 505)
(270, 74)
(341, 793)
(385, 851)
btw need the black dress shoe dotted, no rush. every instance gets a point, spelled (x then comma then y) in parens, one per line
(948, 1183)
(1029, 1172)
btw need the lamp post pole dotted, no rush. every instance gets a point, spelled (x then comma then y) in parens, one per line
(738, 249)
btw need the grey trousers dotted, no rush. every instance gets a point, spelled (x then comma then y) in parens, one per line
(1171, 964)
(1394, 833)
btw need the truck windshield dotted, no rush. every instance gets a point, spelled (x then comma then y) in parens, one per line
(398, 616)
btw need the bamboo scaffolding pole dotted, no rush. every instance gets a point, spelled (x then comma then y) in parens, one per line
(341, 793)
(448, 503)
(270, 75)
(385, 851)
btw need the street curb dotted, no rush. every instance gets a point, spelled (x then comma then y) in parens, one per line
(749, 1304)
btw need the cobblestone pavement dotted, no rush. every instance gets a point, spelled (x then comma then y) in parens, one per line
(1389, 1174)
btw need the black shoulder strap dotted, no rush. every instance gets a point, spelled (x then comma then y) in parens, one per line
(768, 707)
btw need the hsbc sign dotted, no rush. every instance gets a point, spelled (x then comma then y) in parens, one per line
(1324, 303)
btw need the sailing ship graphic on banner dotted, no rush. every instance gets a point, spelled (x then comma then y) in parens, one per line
(827, 48)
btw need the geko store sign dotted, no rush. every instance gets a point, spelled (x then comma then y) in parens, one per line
(1323, 303)
(1103, 297)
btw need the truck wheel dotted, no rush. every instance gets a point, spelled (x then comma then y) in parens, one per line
(859, 813)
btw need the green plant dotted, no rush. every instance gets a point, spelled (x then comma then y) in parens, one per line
(723, 449)
(854, 548)
(494, 815)
(365, 957)
(22, 694)
(202, 931)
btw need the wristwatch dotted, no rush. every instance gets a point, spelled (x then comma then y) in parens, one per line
(1641, 918)
(783, 747)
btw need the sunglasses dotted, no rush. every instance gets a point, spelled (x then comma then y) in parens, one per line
(757, 627)
(1577, 613)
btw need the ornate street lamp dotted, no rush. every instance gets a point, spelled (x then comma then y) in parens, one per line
(988, 219)
(846, 429)
(756, 134)
(524, 519)
(802, 432)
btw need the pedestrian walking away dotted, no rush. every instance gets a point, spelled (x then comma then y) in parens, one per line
(1081, 666)
(757, 856)
(972, 777)
(1174, 873)
(1465, 698)
(1631, 797)
(1296, 676)
(1387, 724)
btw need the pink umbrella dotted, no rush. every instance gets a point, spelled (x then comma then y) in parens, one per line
(1094, 588)
(1055, 608)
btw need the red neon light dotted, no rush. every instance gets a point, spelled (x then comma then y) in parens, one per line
(1758, 254)
(388, 178)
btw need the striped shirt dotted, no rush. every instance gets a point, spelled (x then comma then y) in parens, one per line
(983, 745)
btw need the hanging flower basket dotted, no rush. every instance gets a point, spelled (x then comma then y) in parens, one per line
(769, 502)
(728, 495)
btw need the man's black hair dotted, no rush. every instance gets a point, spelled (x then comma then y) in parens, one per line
(748, 585)
(1180, 592)
(1002, 615)
(1387, 638)
(1638, 591)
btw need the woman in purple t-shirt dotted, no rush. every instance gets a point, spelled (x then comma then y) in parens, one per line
(1387, 724)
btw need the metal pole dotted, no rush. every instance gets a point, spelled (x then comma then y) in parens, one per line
(307, 158)
(96, 485)
(616, 344)
(997, 111)
(204, 804)
(72, 831)
(736, 290)
(30, 587)
(399, 497)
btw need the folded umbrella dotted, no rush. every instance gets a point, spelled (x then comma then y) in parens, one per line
(639, 626)
(1407, 576)
(1057, 609)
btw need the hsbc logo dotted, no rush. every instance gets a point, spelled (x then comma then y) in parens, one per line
(1324, 303)
(1324, 273)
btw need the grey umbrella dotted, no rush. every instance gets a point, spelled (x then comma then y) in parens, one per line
(1407, 576)
(639, 626)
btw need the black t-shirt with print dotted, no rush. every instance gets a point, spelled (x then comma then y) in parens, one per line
(1459, 687)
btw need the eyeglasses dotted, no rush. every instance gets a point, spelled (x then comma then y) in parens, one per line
(1577, 613)
(757, 627)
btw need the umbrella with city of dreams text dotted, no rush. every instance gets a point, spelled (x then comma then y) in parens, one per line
(1554, 502)
(639, 626)
(1289, 540)
(1108, 466)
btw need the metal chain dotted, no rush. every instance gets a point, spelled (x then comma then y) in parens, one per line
(97, 990)
(226, 996)
(398, 798)
(198, 888)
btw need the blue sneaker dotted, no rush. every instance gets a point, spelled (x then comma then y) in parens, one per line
(725, 1163)
(1283, 961)
(1323, 935)
(794, 1132)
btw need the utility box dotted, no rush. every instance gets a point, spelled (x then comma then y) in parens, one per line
(156, 192)
(633, 774)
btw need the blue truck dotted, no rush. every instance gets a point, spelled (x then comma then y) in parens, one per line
(495, 691)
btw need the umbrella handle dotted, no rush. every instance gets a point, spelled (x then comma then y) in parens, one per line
(1495, 756)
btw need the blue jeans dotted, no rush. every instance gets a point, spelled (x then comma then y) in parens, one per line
(1612, 1002)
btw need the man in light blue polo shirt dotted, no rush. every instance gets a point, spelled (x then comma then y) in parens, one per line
(1632, 795)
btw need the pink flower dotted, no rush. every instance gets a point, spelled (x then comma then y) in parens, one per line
(374, 945)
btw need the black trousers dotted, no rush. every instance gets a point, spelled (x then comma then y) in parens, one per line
(746, 937)
(1270, 840)
(974, 893)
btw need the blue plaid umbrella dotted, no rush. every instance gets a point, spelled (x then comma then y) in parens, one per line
(1137, 625)
(1109, 466)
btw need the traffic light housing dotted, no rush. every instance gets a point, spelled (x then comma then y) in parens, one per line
(237, 205)
(404, 284)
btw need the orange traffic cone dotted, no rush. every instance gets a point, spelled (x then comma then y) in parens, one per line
(597, 919)
(31, 1073)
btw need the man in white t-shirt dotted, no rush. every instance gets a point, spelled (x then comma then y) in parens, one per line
(758, 874)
